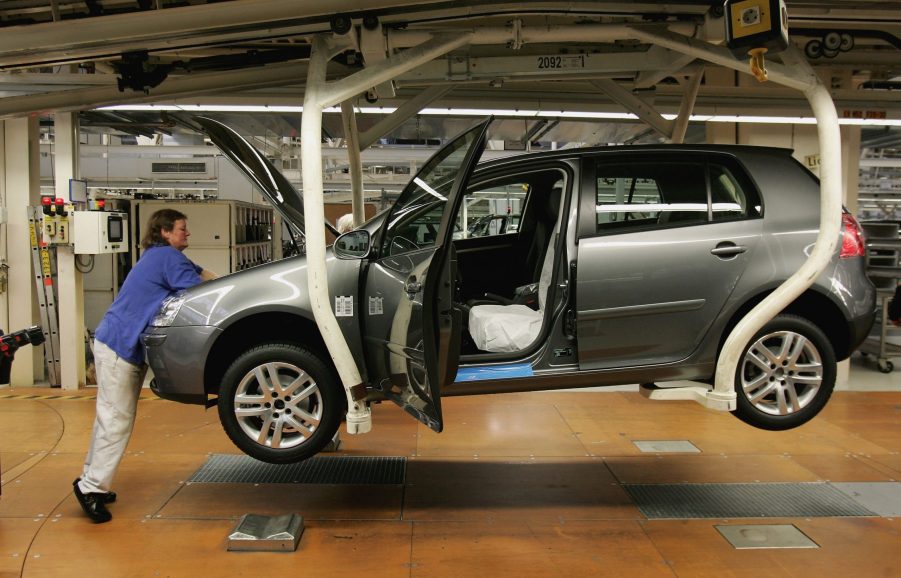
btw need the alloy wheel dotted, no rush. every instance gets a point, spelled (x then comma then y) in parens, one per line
(781, 373)
(278, 405)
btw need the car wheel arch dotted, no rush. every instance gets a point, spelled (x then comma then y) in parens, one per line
(812, 305)
(256, 329)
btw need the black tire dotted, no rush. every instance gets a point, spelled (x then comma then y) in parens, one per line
(786, 374)
(294, 417)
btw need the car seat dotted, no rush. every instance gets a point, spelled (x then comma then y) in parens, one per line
(505, 328)
(540, 239)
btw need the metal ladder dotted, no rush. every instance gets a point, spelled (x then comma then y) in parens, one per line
(44, 263)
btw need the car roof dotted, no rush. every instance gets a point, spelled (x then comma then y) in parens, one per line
(538, 156)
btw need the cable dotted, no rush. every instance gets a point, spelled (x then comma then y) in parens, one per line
(84, 267)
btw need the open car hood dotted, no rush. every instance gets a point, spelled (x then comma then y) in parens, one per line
(262, 173)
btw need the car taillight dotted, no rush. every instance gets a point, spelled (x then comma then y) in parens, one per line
(853, 242)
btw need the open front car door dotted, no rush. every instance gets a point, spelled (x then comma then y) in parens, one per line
(411, 326)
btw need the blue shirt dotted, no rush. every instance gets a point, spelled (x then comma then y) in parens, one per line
(161, 271)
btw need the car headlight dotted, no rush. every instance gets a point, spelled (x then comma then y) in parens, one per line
(168, 310)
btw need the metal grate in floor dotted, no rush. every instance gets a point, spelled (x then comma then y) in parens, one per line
(771, 500)
(349, 470)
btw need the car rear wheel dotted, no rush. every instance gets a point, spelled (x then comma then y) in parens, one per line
(280, 403)
(786, 374)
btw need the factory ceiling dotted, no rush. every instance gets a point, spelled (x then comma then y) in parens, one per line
(80, 56)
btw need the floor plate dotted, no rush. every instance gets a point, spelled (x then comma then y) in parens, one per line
(771, 500)
(884, 498)
(667, 447)
(760, 536)
(226, 468)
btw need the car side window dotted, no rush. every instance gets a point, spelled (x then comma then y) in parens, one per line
(491, 210)
(643, 195)
(415, 218)
(730, 199)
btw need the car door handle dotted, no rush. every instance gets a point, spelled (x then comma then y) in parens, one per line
(728, 249)
(412, 286)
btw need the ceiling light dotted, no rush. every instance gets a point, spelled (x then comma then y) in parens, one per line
(503, 113)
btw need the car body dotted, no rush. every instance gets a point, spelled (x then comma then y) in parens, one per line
(627, 265)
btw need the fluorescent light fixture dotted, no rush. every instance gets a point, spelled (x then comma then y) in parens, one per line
(504, 113)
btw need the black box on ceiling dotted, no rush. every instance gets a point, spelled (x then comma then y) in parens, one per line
(755, 24)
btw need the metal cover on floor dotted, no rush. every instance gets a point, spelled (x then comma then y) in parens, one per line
(667, 447)
(255, 533)
(884, 498)
(759, 536)
(771, 500)
(225, 468)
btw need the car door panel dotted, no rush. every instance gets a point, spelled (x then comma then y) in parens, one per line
(649, 297)
(394, 341)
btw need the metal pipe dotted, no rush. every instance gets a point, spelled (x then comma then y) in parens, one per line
(680, 125)
(632, 103)
(359, 418)
(786, 75)
(830, 229)
(402, 113)
(404, 38)
(385, 70)
(349, 117)
(320, 95)
(796, 73)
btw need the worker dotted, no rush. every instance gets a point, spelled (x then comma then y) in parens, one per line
(345, 223)
(162, 270)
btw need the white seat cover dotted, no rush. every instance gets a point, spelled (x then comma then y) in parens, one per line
(504, 328)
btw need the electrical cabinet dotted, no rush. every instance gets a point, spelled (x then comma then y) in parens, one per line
(225, 236)
(98, 232)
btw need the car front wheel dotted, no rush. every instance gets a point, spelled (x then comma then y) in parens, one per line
(280, 403)
(786, 374)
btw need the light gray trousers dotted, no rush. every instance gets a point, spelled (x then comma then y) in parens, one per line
(118, 387)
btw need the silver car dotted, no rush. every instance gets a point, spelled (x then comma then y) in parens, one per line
(627, 265)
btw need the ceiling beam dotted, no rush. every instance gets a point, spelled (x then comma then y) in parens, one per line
(175, 87)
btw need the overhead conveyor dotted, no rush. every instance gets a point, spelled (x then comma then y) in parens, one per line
(424, 46)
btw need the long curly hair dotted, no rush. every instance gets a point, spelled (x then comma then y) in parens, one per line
(162, 220)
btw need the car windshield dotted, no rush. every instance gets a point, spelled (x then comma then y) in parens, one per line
(415, 219)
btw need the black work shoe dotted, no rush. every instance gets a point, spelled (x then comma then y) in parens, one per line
(108, 497)
(93, 504)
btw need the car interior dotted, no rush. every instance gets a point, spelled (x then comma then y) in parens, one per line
(503, 279)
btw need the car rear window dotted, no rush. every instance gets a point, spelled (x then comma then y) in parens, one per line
(640, 195)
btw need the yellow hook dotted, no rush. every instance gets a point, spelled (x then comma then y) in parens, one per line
(758, 64)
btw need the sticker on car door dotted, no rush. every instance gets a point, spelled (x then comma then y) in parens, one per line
(376, 305)
(344, 306)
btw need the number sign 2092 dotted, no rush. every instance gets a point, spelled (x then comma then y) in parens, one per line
(550, 62)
